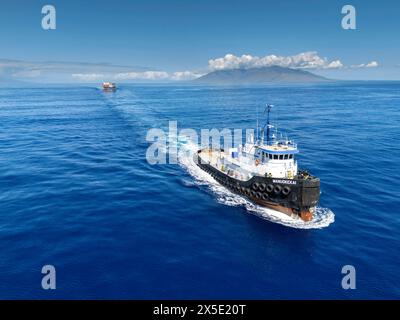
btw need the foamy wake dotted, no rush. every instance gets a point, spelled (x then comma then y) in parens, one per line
(322, 218)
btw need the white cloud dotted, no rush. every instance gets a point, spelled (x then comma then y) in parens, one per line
(185, 75)
(372, 64)
(88, 76)
(305, 60)
(157, 75)
(336, 64)
(146, 75)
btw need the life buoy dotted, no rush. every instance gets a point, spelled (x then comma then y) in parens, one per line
(257, 162)
(277, 189)
(270, 187)
(258, 195)
(286, 190)
(265, 196)
(262, 187)
(255, 185)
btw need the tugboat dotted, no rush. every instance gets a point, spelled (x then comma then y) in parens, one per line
(265, 172)
(109, 86)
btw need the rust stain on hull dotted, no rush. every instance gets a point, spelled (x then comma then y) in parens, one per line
(304, 215)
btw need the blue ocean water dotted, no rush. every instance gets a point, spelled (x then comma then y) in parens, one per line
(77, 192)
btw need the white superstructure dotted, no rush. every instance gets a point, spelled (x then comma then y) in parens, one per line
(274, 160)
(271, 158)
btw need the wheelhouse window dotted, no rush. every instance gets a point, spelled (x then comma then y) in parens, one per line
(276, 157)
(290, 156)
(286, 156)
(281, 157)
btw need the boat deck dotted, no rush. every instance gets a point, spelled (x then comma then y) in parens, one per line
(226, 164)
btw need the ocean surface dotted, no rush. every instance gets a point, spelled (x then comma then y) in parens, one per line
(77, 192)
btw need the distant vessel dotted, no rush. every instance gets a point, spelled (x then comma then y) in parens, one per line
(265, 172)
(109, 86)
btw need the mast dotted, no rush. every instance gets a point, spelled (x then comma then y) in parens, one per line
(258, 136)
(269, 106)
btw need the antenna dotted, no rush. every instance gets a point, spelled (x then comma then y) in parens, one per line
(268, 125)
(268, 108)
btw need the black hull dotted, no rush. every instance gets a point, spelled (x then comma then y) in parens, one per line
(295, 197)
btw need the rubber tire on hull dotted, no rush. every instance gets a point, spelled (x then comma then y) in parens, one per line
(277, 189)
(285, 190)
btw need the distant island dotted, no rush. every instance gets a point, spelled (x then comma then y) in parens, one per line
(264, 75)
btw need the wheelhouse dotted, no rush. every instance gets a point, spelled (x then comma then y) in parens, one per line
(269, 153)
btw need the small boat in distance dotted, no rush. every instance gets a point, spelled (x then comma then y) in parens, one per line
(109, 86)
(265, 172)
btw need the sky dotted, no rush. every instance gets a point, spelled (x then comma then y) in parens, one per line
(182, 39)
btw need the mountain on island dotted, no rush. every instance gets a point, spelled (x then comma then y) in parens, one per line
(264, 75)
